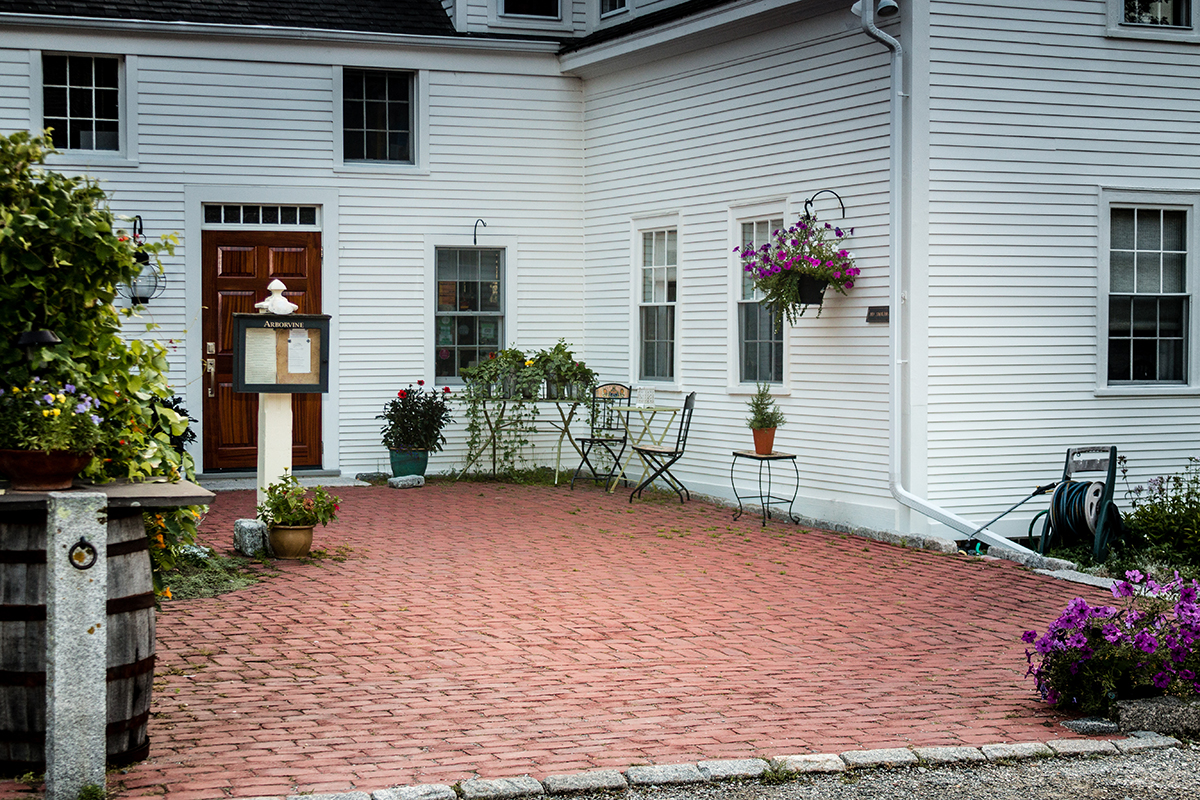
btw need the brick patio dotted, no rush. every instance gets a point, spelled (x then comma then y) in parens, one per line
(490, 630)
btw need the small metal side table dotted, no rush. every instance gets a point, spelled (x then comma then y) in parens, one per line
(765, 498)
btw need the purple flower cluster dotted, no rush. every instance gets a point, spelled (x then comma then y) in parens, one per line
(1092, 655)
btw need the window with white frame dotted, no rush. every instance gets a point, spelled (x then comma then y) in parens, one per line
(760, 337)
(1167, 20)
(377, 116)
(547, 9)
(1148, 295)
(1168, 13)
(469, 316)
(612, 6)
(657, 304)
(81, 101)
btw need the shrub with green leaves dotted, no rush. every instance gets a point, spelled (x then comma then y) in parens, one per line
(62, 256)
(1166, 512)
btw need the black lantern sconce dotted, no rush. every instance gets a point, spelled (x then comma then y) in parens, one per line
(148, 283)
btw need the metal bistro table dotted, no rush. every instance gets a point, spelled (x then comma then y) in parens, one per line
(765, 498)
(494, 421)
(645, 430)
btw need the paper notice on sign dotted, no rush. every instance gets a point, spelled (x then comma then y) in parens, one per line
(299, 352)
(260, 355)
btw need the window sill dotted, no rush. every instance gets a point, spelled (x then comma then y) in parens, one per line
(381, 168)
(747, 389)
(1154, 33)
(79, 158)
(1147, 390)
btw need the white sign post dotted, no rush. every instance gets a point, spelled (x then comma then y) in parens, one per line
(274, 410)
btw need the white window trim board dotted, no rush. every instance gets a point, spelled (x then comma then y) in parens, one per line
(759, 209)
(126, 156)
(659, 221)
(1148, 198)
(420, 132)
(511, 248)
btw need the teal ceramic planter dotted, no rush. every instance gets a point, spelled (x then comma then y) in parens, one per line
(409, 462)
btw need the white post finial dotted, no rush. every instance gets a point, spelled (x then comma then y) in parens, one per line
(276, 303)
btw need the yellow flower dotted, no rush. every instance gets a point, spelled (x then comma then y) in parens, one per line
(166, 592)
(529, 363)
(62, 398)
(16, 390)
(45, 412)
(56, 411)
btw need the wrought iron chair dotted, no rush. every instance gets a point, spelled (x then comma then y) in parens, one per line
(659, 458)
(607, 434)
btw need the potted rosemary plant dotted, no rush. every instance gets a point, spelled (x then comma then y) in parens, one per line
(765, 417)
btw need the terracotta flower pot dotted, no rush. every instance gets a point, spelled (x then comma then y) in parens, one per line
(291, 541)
(39, 471)
(764, 440)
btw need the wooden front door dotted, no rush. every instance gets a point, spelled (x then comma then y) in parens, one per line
(237, 266)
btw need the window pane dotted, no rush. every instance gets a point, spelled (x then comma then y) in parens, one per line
(1121, 271)
(1145, 359)
(308, 215)
(212, 213)
(468, 265)
(447, 297)
(1120, 314)
(105, 72)
(1149, 272)
(79, 102)
(672, 252)
(287, 215)
(233, 214)
(532, 8)
(1170, 316)
(466, 330)
(270, 215)
(468, 296)
(1174, 265)
(54, 102)
(1145, 316)
(609, 6)
(54, 70)
(1149, 230)
(1121, 228)
(1118, 360)
(352, 146)
(489, 332)
(250, 214)
(1174, 235)
(1170, 360)
(489, 295)
(1175, 13)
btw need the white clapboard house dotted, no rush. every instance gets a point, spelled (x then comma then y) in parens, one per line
(1023, 177)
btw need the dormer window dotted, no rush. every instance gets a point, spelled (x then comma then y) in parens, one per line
(545, 9)
(611, 7)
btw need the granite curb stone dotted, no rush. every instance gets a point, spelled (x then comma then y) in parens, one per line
(603, 780)
(1083, 747)
(949, 755)
(500, 788)
(729, 769)
(331, 796)
(1145, 740)
(819, 762)
(1092, 726)
(886, 757)
(1000, 752)
(424, 791)
(664, 775)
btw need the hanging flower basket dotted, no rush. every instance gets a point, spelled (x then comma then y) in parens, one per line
(794, 268)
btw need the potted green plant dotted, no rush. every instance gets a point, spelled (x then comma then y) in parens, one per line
(567, 378)
(794, 268)
(765, 417)
(48, 429)
(290, 513)
(414, 420)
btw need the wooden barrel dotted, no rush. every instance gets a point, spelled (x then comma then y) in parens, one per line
(23, 640)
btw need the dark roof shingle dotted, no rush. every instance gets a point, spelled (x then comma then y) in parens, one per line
(422, 17)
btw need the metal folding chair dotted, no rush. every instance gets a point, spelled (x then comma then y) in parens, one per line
(607, 433)
(659, 458)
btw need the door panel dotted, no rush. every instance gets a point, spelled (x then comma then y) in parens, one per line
(237, 266)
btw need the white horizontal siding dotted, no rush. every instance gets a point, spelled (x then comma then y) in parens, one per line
(1024, 130)
(503, 145)
(778, 114)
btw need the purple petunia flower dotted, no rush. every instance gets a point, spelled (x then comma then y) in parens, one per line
(1145, 641)
(1162, 680)
(1122, 589)
(1135, 576)
(1029, 637)
(69, 388)
(95, 420)
(82, 408)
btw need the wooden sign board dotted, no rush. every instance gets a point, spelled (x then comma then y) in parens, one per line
(281, 354)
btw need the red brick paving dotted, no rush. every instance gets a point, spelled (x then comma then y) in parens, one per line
(483, 630)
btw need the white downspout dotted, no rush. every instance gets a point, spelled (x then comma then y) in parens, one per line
(896, 327)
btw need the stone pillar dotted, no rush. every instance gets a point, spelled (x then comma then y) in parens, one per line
(76, 642)
(274, 439)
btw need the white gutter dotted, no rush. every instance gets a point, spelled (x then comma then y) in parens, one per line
(896, 327)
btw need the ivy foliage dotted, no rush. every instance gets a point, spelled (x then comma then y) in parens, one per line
(62, 256)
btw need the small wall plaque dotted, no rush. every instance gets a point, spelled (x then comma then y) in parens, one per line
(878, 313)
